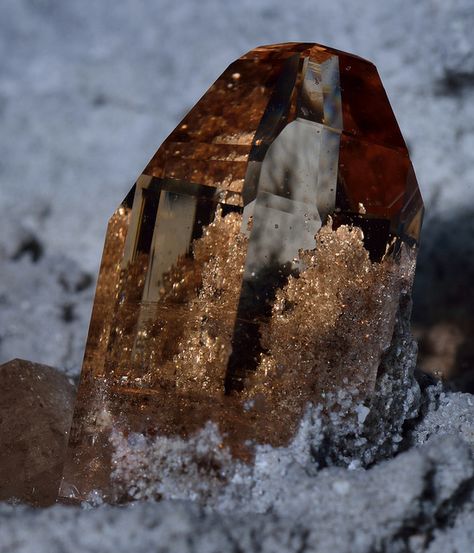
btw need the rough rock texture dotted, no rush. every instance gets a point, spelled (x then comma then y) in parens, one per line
(52, 330)
(444, 414)
(420, 500)
(36, 405)
(396, 401)
(405, 504)
(87, 92)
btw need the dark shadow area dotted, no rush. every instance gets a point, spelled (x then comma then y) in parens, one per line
(455, 83)
(31, 246)
(255, 307)
(443, 312)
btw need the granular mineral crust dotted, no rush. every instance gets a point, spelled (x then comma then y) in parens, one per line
(258, 266)
(36, 404)
(420, 501)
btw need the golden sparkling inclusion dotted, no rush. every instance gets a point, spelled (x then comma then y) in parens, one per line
(256, 265)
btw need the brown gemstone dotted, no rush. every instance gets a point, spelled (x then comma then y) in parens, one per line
(255, 266)
(36, 404)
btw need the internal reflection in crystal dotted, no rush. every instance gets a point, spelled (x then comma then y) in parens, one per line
(171, 238)
(296, 192)
(320, 99)
(228, 275)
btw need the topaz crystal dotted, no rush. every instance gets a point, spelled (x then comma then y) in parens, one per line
(256, 265)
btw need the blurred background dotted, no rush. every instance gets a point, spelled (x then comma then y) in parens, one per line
(88, 91)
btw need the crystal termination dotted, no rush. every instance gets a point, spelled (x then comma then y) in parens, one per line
(256, 265)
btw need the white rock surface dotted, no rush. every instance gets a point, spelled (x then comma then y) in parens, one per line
(88, 90)
(405, 504)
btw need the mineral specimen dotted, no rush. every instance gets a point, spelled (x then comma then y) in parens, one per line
(36, 404)
(256, 266)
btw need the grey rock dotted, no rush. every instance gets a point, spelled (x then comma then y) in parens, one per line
(51, 332)
(447, 413)
(88, 91)
(455, 538)
(394, 507)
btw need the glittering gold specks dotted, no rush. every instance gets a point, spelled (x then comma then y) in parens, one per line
(226, 292)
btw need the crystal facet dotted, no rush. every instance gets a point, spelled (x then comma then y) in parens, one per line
(255, 266)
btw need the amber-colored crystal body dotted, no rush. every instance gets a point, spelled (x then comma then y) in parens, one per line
(211, 302)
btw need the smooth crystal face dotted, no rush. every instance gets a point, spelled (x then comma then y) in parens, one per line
(255, 266)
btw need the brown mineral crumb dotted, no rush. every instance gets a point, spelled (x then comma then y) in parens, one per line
(36, 404)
